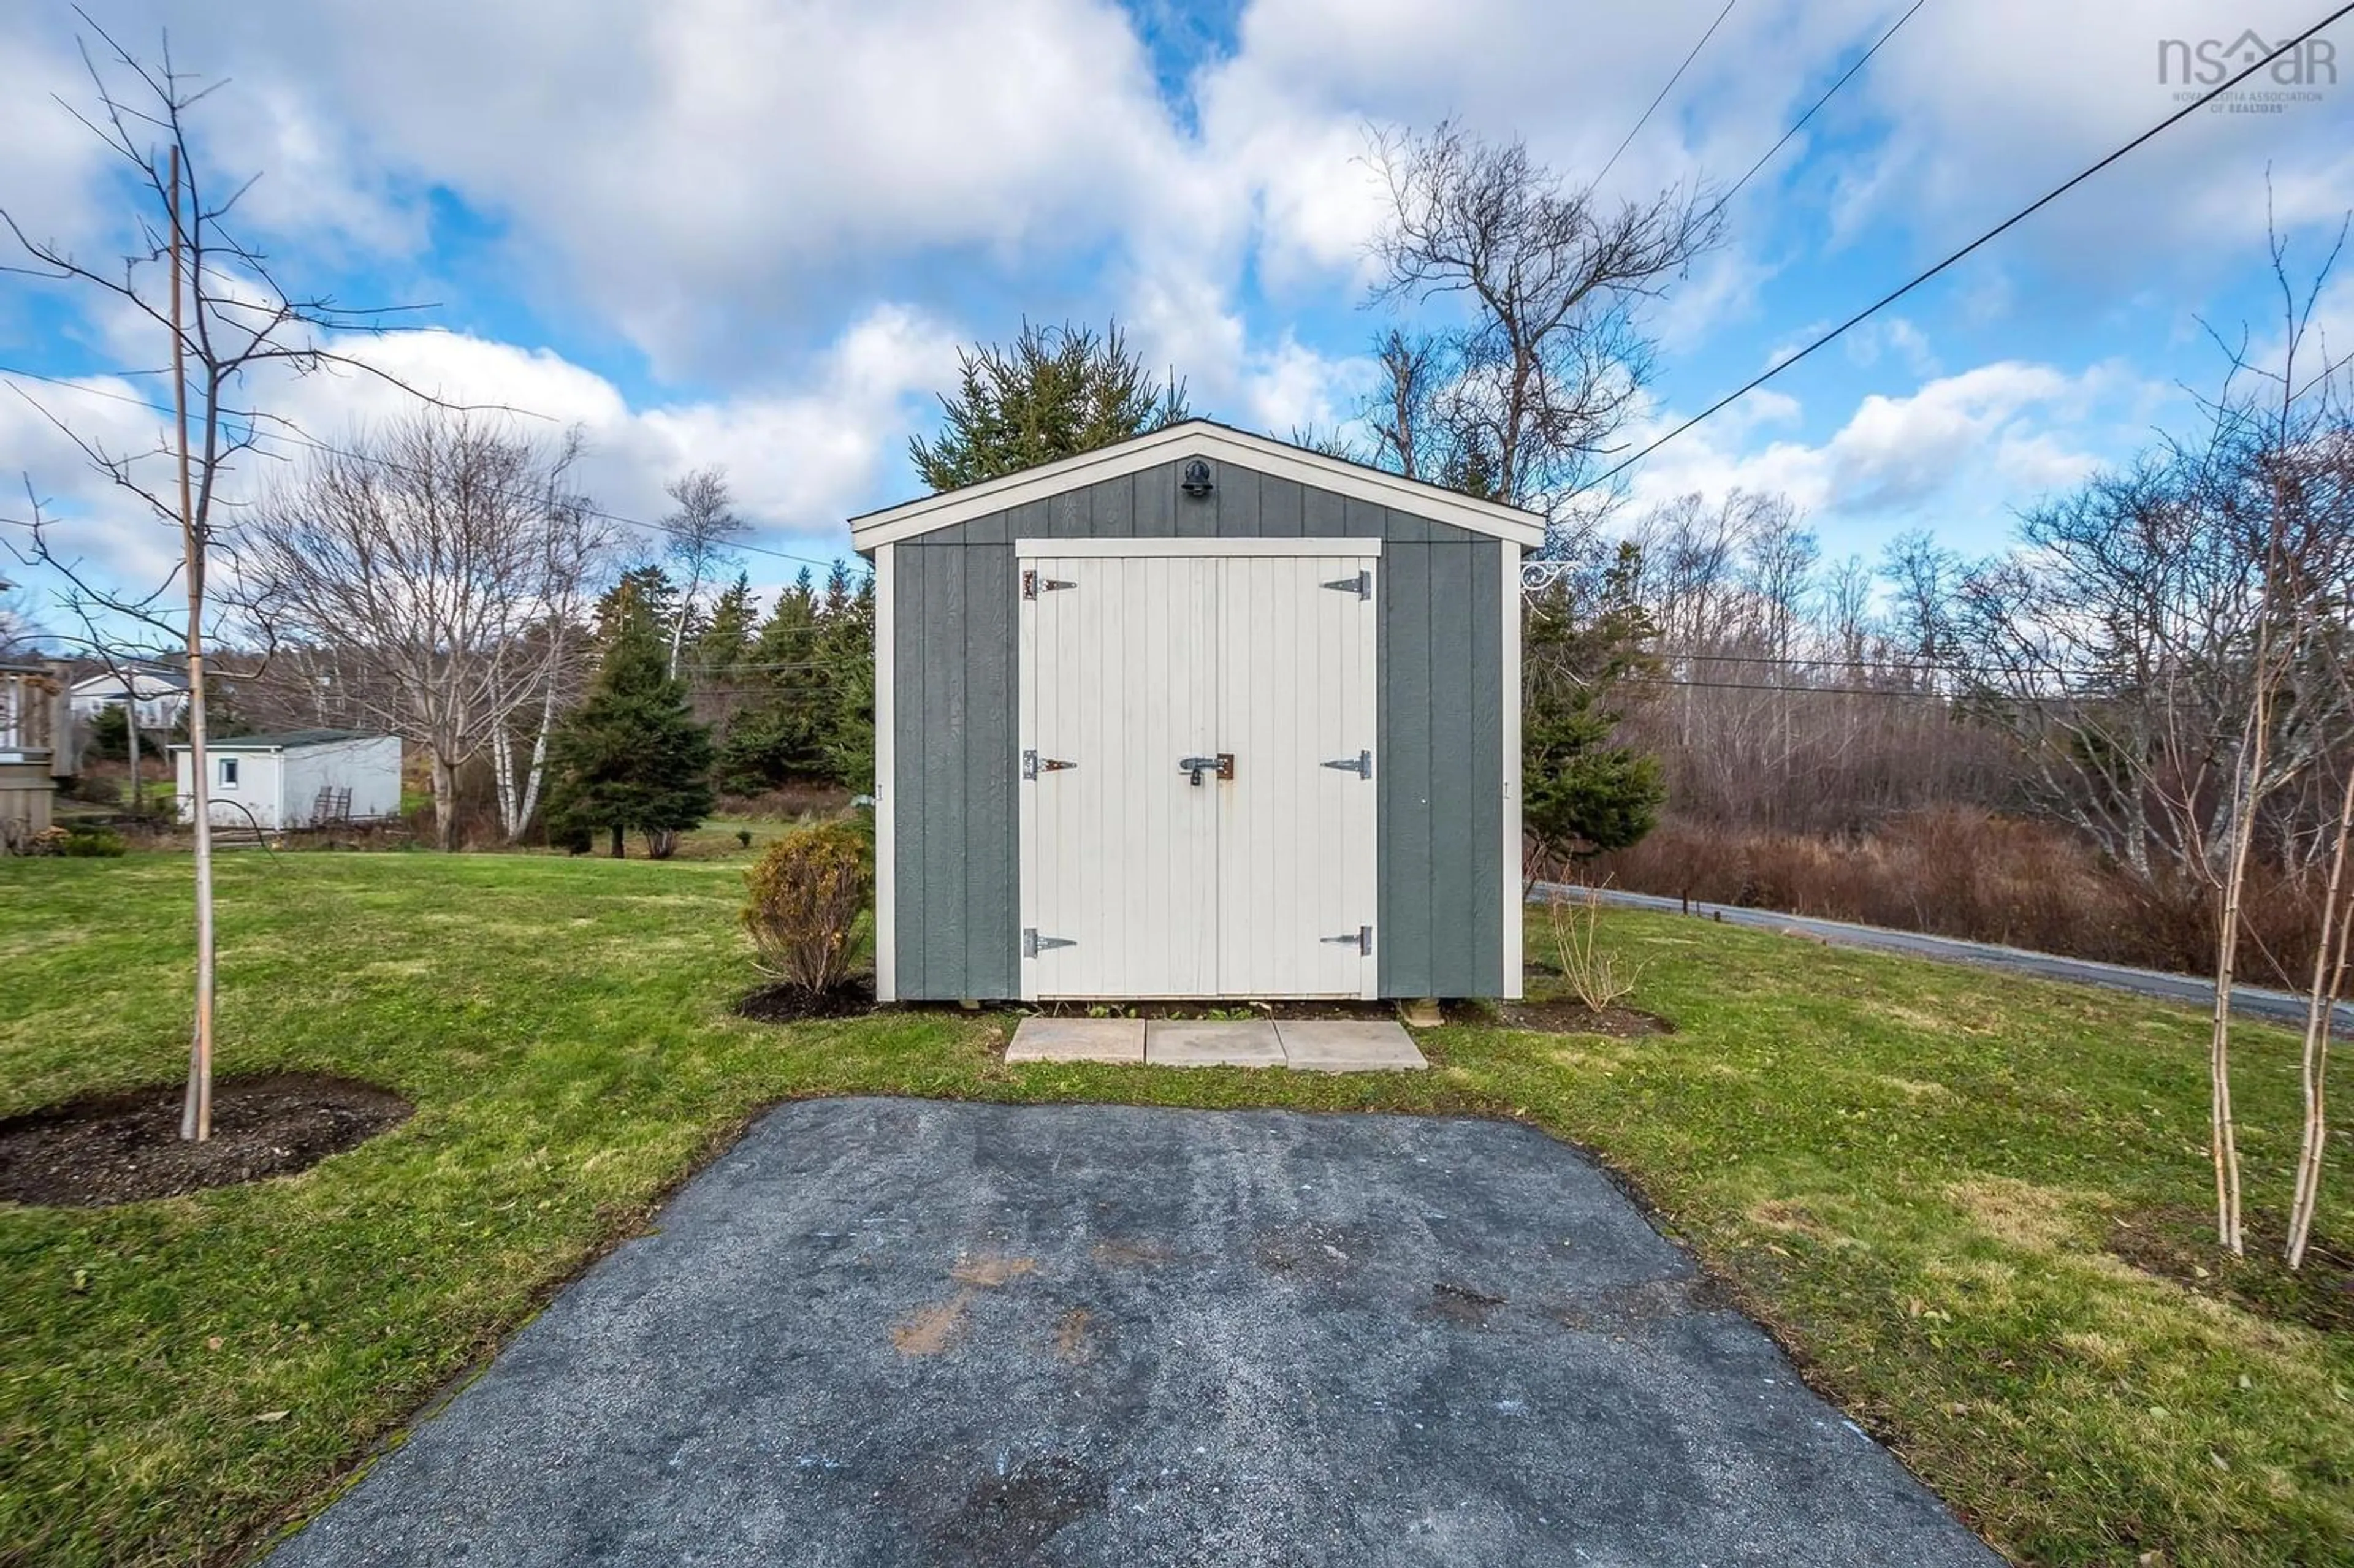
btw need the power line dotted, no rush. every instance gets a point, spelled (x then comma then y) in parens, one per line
(1790, 691)
(1831, 661)
(1646, 119)
(2055, 194)
(302, 438)
(1726, 200)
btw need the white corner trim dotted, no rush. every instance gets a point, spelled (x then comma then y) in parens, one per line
(1515, 886)
(1085, 549)
(886, 792)
(1198, 438)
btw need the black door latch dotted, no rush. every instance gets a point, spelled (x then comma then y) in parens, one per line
(1223, 765)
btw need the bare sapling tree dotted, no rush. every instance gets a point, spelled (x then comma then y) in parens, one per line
(229, 330)
(1547, 356)
(442, 567)
(2325, 990)
(702, 525)
(2310, 477)
(2267, 460)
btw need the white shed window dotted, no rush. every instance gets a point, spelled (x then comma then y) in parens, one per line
(228, 772)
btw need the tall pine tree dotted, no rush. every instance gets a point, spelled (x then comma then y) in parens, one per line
(1583, 638)
(776, 734)
(1056, 392)
(631, 758)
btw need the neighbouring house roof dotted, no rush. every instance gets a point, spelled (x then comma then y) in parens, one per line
(286, 740)
(1198, 438)
(147, 684)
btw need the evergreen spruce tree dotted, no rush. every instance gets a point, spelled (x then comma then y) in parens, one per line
(846, 651)
(632, 757)
(727, 641)
(1580, 794)
(777, 735)
(1057, 391)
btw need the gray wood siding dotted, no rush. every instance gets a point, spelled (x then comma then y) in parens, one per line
(1438, 749)
(954, 766)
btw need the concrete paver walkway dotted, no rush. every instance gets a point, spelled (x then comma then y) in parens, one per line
(1322, 1045)
(889, 1331)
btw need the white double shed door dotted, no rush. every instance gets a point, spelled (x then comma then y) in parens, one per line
(1196, 748)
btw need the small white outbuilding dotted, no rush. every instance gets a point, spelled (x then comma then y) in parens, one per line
(297, 780)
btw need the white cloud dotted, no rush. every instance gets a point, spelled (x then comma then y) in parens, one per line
(700, 172)
(723, 183)
(1950, 453)
(799, 461)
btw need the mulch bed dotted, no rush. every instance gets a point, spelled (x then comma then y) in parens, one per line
(1568, 1016)
(122, 1148)
(2178, 1244)
(853, 997)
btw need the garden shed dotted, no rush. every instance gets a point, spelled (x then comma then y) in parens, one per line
(1197, 715)
(298, 779)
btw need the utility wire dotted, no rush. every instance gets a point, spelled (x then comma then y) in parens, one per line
(301, 438)
(1646, 119)
(2046, 199)
(1726, 199)
(1830, 661)
(1910, 695)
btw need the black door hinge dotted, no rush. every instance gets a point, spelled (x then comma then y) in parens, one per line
(1362, 585)
(1033, 584)
(1362, 939)
(1361, 765)
(1034, 764)
(1034, 944)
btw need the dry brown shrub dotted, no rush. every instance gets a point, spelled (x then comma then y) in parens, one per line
(1958, 871)
(806, 892)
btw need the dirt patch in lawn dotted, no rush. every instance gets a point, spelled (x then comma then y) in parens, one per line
(2178, 1244)
(122, 1148)
(1566, 1016)
(853, 997)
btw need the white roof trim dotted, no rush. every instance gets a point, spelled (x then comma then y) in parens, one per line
(1198, 438)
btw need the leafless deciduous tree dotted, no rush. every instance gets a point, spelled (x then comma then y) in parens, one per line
(437, 572)
(2164, 645)
(222, 321)
(702, 525)
(1516, 397)
(20, 633)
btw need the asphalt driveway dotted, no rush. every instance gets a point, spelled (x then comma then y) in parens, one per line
(892, 1331)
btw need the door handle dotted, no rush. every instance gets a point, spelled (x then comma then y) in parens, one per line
(1223, 765)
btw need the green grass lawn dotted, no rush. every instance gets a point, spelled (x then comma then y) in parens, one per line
(1908, 1171)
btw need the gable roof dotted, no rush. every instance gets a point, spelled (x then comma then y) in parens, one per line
(286, 740)
(1198, 438)
(146, 683)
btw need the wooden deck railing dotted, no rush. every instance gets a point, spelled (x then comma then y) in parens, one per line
(32, 712)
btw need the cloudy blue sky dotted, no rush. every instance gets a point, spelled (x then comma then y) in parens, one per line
(752, 233)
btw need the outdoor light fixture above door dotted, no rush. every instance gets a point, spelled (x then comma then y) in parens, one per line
(1196, 481)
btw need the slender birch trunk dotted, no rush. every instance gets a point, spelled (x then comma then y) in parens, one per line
(2329, 957)
(2246, 786)
(535, 772)
(504, 780)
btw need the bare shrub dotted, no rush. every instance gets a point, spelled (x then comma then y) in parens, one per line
(1960, 871)
(1600, 979)
(806, 891)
